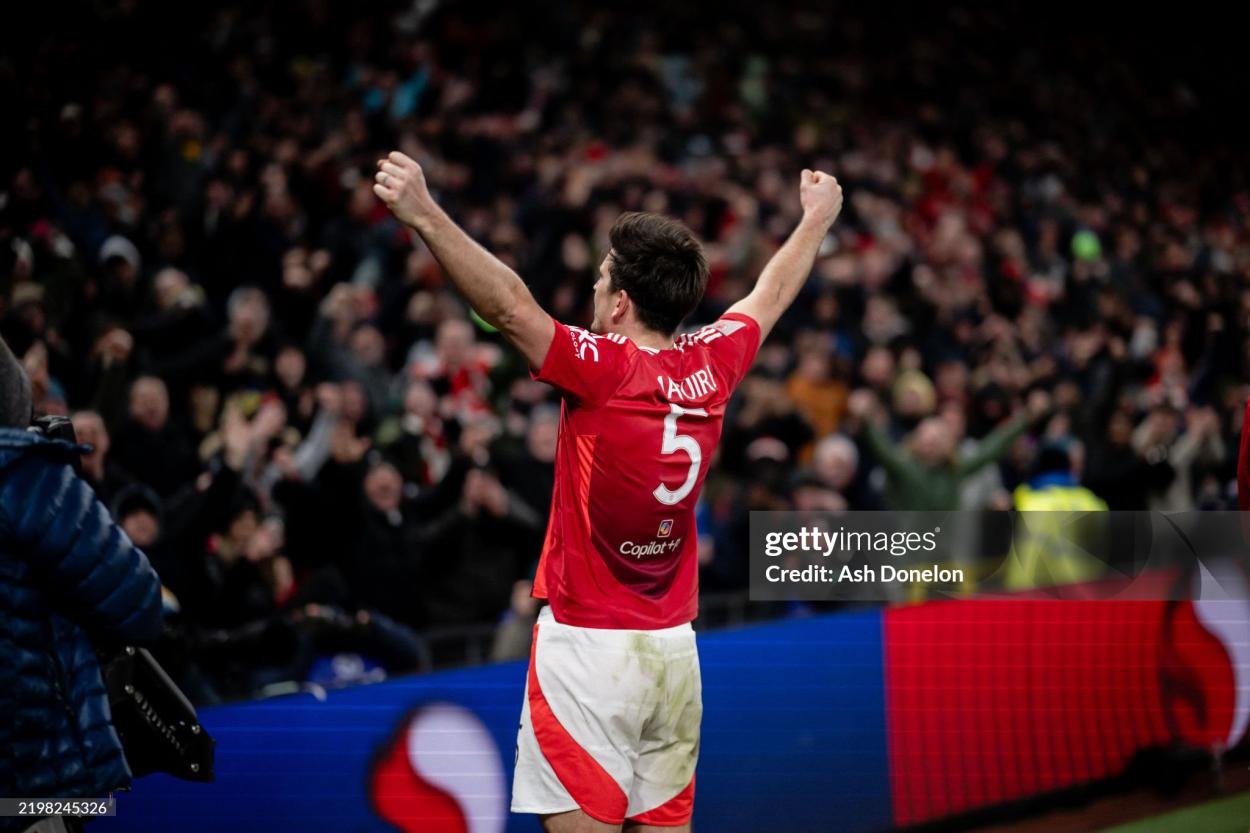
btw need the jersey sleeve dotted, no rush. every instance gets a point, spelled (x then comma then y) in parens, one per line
(732, 341)
(586, 367)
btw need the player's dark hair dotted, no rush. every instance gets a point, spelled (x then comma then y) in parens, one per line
(660, 264)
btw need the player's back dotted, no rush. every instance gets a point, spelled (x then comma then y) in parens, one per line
(638, 430)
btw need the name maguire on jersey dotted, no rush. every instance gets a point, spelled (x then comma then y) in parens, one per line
(638, 427)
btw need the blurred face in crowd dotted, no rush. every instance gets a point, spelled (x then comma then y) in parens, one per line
(825, 310)
(1120, 429)
(814, 365)
(89, 428)
(952, 380)
(835, 461)
(149, 403)
(369, 346)
(454, 343)
(956, 422)
(1164, 424)
(267, 541)
(764, 396)
(249, 315)
(204, 402)
(120, 271)
(362, 202)
(169, 286)
(419, 400)
(544, 427)
(878, 368)
(241, 529)
(483, 490)
(355, 402)
(932, 442)
(478, 433)
(1076, 453)
(295, 271)
(290, 367)
(384, 487)
(812, 498)
(142, 527)
(1067, 395)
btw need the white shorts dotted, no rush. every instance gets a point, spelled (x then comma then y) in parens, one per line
(610, 724)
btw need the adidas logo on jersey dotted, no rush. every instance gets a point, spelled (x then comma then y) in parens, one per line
(710, 333)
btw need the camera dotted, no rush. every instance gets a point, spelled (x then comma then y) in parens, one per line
(155, 721)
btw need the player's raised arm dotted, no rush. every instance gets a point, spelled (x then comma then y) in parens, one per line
(494, 291)
(779, 283)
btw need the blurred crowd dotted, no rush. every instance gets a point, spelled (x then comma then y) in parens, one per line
(1042, 271)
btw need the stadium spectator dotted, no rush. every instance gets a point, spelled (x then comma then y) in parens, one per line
(926, 472)
(106, 477)
(1050, 548)
(150, 444)
(484, 541)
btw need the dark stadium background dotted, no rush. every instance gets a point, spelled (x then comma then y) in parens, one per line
(159, 159)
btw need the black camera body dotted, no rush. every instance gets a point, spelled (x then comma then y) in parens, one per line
(54, 427)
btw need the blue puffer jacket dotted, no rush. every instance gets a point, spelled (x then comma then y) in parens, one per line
(66, 569)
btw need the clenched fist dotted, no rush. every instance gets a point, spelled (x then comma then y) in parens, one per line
(400, 183)
(821, 196)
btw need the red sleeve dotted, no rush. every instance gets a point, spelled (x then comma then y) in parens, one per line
(1243, 462)
(732, 341)
(585, 366)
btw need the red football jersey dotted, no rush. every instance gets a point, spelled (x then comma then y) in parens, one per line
(637, 430)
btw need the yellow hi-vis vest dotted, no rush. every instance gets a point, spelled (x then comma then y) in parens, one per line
(1043, 554)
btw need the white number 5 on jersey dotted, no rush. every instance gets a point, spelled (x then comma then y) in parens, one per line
(673, 443)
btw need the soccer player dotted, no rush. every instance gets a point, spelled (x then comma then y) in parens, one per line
(609, 732)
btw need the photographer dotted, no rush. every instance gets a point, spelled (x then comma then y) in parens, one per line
(67, 573)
